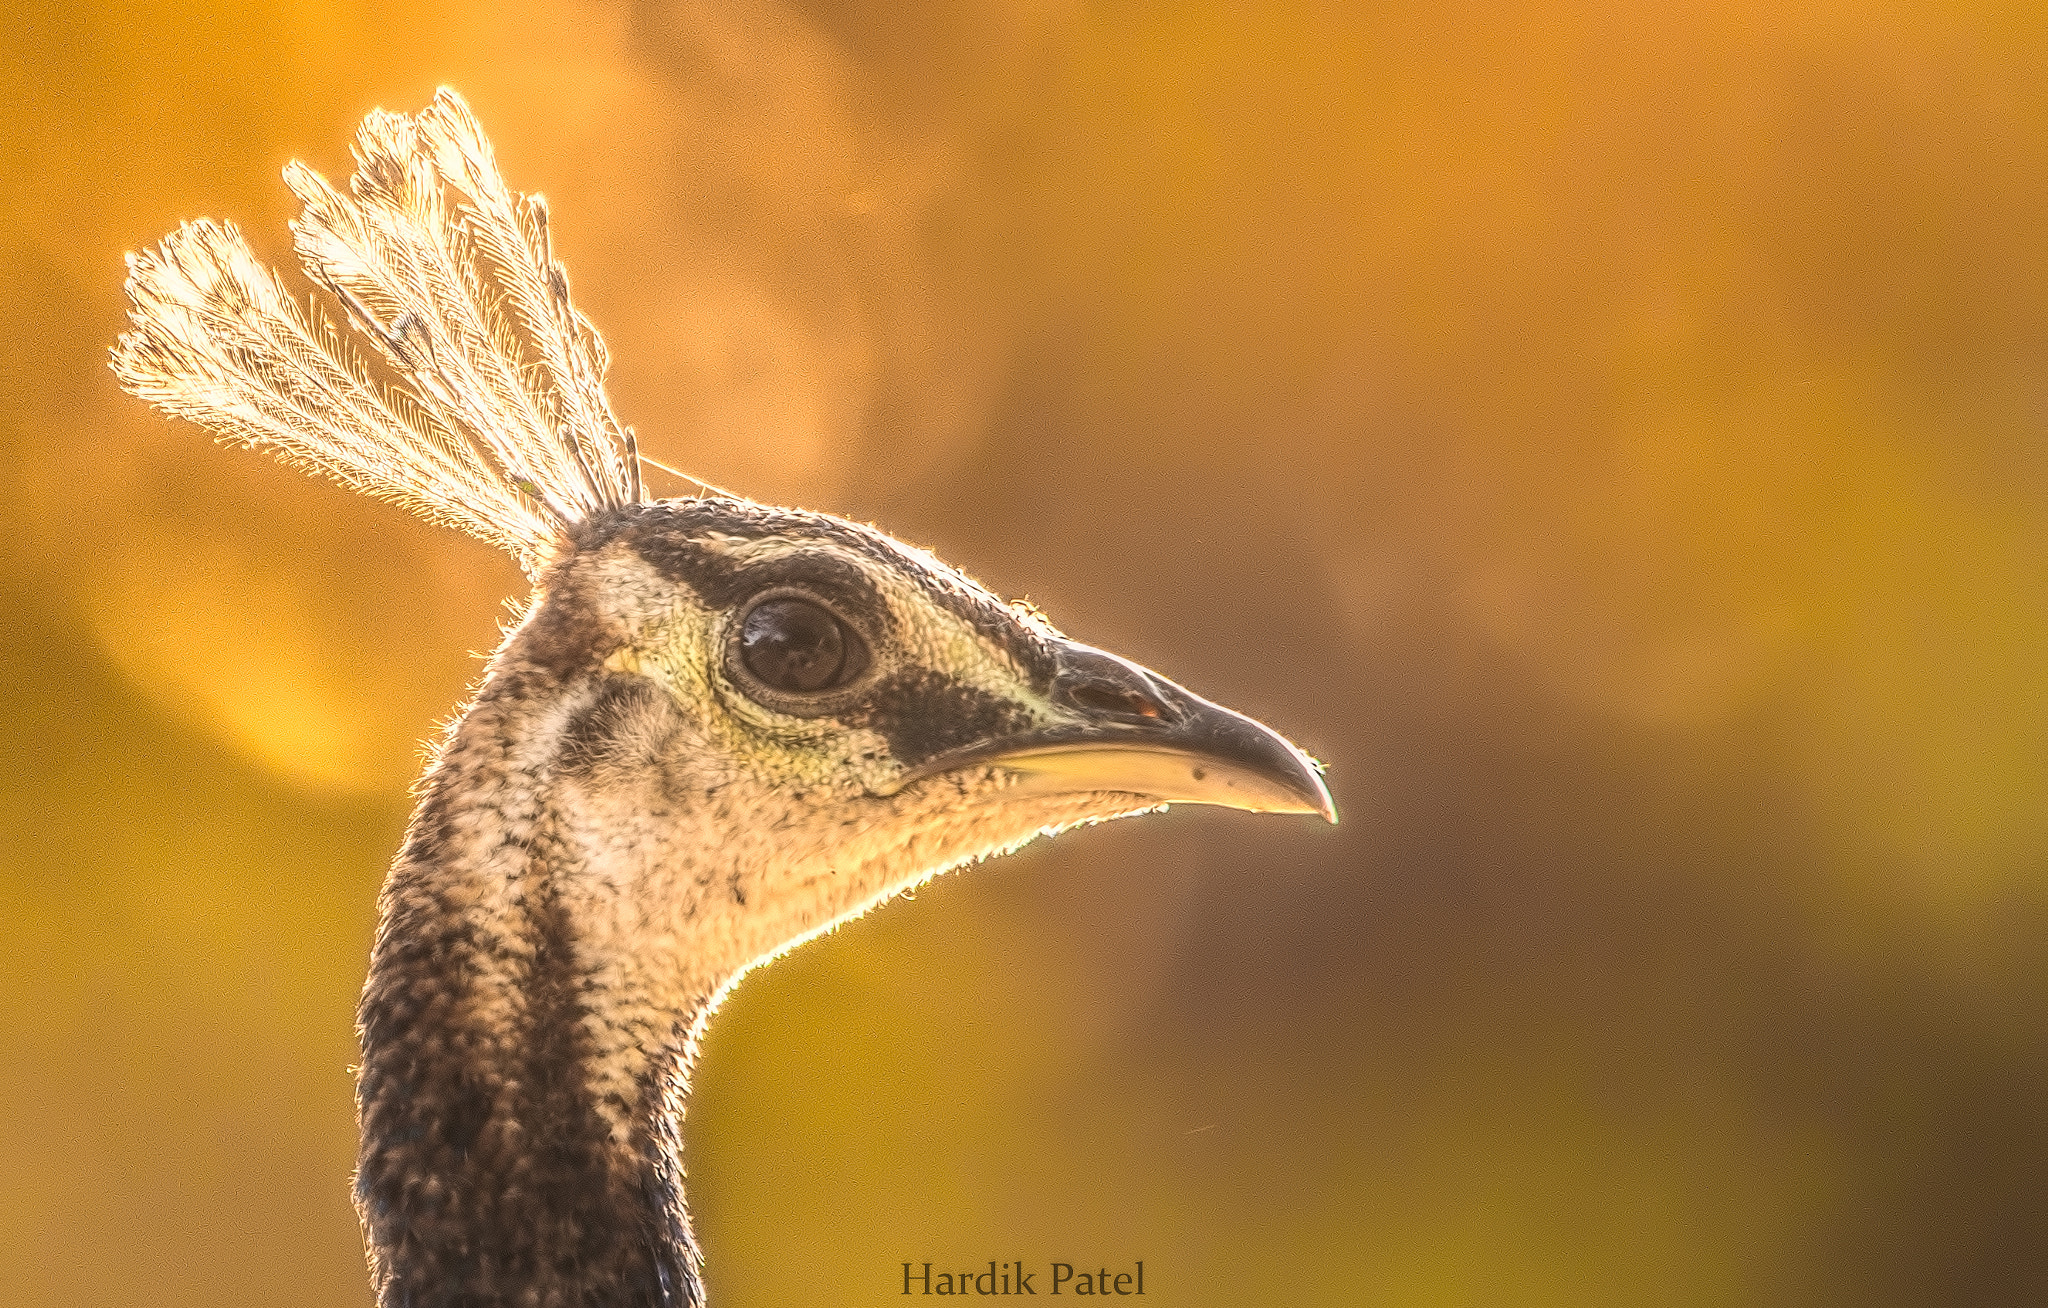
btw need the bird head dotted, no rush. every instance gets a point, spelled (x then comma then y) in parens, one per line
(850, 715)
(719, 729)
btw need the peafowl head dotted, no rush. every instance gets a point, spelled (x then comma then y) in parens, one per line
(718, 729)
(814, 716)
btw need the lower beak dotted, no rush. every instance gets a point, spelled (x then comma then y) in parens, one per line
(1134, 732)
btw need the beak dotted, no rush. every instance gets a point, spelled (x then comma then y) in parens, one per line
(1132, 731)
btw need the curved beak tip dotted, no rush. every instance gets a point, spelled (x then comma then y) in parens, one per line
(1325, 806)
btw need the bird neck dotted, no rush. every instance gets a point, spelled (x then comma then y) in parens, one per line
(521, 1088)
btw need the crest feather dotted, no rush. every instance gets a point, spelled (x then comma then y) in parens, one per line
(497, 422)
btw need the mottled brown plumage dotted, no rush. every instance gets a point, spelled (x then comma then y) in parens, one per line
(719, 728)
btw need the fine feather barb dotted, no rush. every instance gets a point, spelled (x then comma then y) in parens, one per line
(497, 421)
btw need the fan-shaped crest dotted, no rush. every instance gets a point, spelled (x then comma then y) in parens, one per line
(497, 422)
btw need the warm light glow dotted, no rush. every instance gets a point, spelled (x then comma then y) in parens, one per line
(1610, 434)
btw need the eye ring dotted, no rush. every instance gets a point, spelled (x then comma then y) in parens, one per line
(793, 651)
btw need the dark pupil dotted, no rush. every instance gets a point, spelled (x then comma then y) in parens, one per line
(792, 644)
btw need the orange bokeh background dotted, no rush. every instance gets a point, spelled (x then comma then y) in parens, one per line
(1612, 438)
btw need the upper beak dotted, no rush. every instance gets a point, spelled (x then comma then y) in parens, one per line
(1134, 732)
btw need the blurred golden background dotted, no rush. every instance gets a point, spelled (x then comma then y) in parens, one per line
(1611, 437)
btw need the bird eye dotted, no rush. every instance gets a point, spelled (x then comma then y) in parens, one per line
(796, 646)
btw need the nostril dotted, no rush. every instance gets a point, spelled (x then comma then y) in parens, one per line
(1114, 699)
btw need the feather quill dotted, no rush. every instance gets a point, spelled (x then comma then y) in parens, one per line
(497, 420)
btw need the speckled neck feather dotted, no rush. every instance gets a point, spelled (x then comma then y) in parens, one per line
(497, 1166)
